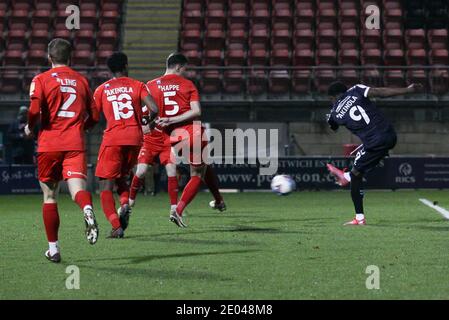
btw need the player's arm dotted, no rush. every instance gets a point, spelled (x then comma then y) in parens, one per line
(36, 97)
(391, 92)
(93, 114)
(152, 109)
(331, 122)
(192, 114)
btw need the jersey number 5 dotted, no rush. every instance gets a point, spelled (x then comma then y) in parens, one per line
(172, 103)
(362, 114)
(63, 111)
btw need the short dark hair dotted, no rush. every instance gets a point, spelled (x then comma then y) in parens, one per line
(336, 88)
(117, 62)
(60, 50)
(176, 58)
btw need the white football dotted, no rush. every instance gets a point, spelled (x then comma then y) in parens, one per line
(282, 184)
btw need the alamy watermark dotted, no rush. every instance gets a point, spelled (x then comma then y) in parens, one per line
(236, 146)
(72, 282)
(373, 280)
(73, 20)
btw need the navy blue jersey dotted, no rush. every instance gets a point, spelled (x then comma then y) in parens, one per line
(355, 111)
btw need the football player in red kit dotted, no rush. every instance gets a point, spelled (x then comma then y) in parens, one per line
(62, 100)
(127, 105)
(155, 145)
(179, 102)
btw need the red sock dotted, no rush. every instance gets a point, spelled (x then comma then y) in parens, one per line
(123, 191)
(173, 190)
(108, 205)
(188, 194)
(135, 187)
(83, 198)
(51, 221)
(211, 180)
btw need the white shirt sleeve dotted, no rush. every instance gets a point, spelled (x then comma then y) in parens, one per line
(365, 89)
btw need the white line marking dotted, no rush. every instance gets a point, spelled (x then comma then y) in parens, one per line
(441, 210)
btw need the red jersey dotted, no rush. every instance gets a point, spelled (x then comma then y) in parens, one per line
(120, 100)
(173, 95)
(62, 98)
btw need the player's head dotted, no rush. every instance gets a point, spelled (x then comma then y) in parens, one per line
(59, 52)
(177, 63)
(118, 63)
(336, 89)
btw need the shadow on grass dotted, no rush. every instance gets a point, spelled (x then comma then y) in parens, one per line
(230, 229)
(194, 241)
(159, 274)
(152, 257)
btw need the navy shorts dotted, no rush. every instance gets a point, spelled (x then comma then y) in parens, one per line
(367, 159)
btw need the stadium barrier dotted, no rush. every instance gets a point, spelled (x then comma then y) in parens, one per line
(310, 173)
(311, 82)
(247, 83)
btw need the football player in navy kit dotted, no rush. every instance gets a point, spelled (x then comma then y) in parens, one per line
(353, 109)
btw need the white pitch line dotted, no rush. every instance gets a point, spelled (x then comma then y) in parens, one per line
(441, 210)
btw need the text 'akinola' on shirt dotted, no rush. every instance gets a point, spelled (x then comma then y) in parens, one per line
(110, 92)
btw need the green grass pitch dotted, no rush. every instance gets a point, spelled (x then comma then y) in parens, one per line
(263, 247)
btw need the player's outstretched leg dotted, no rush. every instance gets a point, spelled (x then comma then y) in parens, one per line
(190, 191)
(50, 216)
(211, 181)
(357, 198)
(108, 205)
(342, 178)
(356, 180)
(124, 211)
(83, 199)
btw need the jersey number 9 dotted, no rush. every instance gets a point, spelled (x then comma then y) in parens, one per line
(361, 114)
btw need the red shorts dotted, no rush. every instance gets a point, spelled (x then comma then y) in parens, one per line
(155, 145)
(59, 165)
(189, 137)
(116, 161)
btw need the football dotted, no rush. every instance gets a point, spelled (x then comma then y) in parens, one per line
(283, 184)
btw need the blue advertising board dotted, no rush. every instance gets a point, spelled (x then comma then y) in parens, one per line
(310, 173)
(18, 179)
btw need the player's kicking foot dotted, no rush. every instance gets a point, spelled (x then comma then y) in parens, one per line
(131, 202)
(338, 174)
(91, 226)
(117, 233)
(220, 206)
(124, 213)
(177, 219)
(56, 258)
(355, 222)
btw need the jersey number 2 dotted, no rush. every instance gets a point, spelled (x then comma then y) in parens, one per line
(172, 103)
(63, 111)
